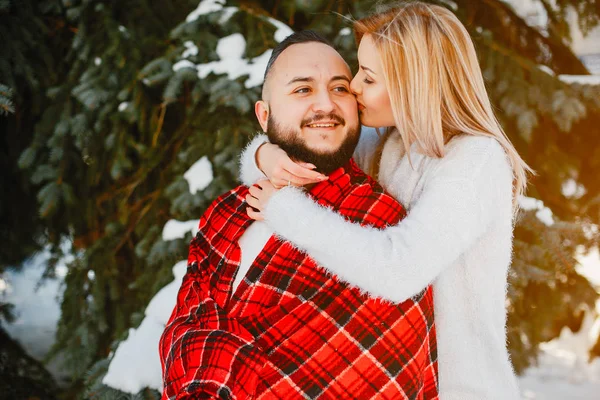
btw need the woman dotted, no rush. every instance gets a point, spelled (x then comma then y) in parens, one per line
(447, 160)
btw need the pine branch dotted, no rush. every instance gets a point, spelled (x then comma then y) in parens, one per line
(6, 104)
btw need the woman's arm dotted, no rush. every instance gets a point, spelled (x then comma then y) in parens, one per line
(398, 262)
(250, 173)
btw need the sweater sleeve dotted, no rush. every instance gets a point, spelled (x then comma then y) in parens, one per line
(249, 171)
(397, 262)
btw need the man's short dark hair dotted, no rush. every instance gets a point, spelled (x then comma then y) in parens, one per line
(295, 38)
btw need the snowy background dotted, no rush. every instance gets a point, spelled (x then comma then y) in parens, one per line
(563, 371)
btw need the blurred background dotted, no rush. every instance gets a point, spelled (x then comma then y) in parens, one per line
(120, 121)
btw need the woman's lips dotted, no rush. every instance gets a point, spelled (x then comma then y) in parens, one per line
(361, 107)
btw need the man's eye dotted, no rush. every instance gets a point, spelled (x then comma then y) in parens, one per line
(302, 90)
(341, 89)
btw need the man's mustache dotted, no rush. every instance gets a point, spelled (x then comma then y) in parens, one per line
(323, 117)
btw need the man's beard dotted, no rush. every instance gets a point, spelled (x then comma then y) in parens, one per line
(295, 146)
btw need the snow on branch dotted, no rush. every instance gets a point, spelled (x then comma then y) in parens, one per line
(544, 214)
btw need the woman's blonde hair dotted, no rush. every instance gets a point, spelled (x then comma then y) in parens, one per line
(434, 81)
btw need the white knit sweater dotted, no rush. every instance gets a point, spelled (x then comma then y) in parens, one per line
(457, 235)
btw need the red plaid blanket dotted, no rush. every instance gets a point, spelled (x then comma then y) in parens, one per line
(291, 330)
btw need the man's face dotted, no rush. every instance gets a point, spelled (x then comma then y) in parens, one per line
(312, 113)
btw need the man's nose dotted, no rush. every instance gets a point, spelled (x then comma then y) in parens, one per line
(323, 102)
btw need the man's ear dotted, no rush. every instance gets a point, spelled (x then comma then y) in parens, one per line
(261, 109)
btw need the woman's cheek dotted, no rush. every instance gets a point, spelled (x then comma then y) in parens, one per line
(372, 109)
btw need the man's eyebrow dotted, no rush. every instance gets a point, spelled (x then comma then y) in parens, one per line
(301, 79)
(340, 78)
(368, 69)
(311, 79)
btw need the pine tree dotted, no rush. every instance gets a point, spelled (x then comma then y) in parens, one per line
(133, 109)
(31, 41)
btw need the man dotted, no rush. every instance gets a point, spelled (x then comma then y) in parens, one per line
(257, 318)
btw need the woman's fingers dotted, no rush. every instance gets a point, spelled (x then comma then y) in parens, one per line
(257, 197)
(254, 191)
(301, 171)
(294, 181)
(253, 202)
(306, 165)
(254, 215)
(293, 174)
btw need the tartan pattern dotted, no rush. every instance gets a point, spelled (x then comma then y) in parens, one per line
(291, 330)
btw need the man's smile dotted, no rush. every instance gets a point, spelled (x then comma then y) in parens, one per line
(323, 125)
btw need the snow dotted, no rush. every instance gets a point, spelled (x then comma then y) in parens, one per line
(563, 371)
(136, 363)
(199, 175)
(162, 304)
(36, 305)
(227, 13)
(345, 31)
(583, 43)
(183, 64)
(174, 229)
(572, 189)
(191, 49)
(97, 61)
(205, 7)
(533, 12)
(546, 69)
(589, 265)
(581, 79)
(543, 213)
(123, 106)
(230, 49)
(33, 315)
(282, 31)
(557, 378)
(210, 6)
(61, 271)
(592, 61)
(231, 62)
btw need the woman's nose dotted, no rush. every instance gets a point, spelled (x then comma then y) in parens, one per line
(355, 85)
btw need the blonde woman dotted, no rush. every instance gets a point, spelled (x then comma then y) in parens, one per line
(445, 157)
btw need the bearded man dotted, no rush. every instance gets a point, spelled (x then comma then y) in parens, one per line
(257, 318)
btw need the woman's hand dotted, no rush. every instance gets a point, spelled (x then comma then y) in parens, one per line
(282, 170)
(257, 199)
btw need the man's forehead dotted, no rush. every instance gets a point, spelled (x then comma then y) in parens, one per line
(310, 60)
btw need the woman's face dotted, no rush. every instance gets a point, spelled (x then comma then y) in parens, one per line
(368, 86)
